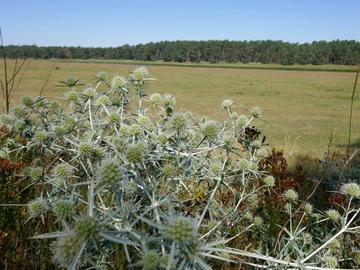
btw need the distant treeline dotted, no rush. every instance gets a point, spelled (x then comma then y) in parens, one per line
(345, 52)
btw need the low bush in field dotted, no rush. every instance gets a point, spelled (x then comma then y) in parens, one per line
(127, 182)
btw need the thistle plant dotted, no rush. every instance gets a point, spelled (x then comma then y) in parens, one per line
(170, 190)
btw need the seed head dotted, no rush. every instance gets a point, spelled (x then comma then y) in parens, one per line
(227, 103)
(103, 101)
(36, 173)
(110, 172)
(134, 129)
(150, 260)
(135, 152)
(27, 101)
(269, 181)
(291, 195)
(64, 209)
(334, 245)
(255, 112)
(178, 121)
(210, 130)
(63, 170)
(41, 136)
(140, 74)
(333, 215)
(156, 99)
(87, 228)
(181, 229)
(89, 93)
(102, 76)
(119, 83)
(37, 207)
(244, 165)
(113, 118)
(145, 121)
(257, 221)
(351, 189)
(308, 208)
(72, 96)
(243, 120)
(331, 262)
(71, 81)
(65, 249)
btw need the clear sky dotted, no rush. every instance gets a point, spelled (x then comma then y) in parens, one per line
(111, 23)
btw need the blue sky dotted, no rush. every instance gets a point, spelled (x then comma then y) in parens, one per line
(111, 23)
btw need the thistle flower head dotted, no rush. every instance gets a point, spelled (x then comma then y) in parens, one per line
(27, 101)
(227, 103)
(351, 189)
(102, 76)
(242, 121)
(110, 171)
(65, 249)
(244, 164)
(291, 195)
(169, 101)
(333, 215)
(19, 124)
(87, 228)
(140, 74)
(5, 119)
(37, 207)
(210, 130)
(41, 136)
(308, 208)
(72, 96)
(178, 121)
(119, 82)
(135, 152)
(145, 121)
(85, 149)
(103, 101)
(331, 262)
(156, 99)
(130, 187)
(134, 129)
(269, 181)
(36, 173)
(334, 245)
(63, 170)
(257, 221)
(89, 93)
(181, 229)
(64, 208)
(255, 112)
(71, 81)
(150, 260)
(113, 118)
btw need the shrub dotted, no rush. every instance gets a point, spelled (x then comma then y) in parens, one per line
(166, 190)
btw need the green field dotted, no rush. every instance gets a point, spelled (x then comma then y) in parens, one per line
(301, 108)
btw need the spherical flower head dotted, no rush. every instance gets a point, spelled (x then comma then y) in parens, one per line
(255, 112)
(87, 228)
(210, 130)
(307, 237)
(181, 230)
(37, 207)
(269, 181)
(124, 131)
(110, 171)
(19, 112)
(244, 165)
(59, 131)
(227, 103)
(103, 101)
(253, 200)
(41, 136)
(89, 93)
(130, 187)
(178, 121)
(334, 245)
(333, 215)
(156, 99)
(162, 138)
(19, 124)
(64, 209)
(36, 173)
(351, 189)
(242, 121)
(65, 249)
(257, 221)
(145, 121)
(102, 76)
(27, 101)
(86, 150)
(150, 260)
(113, 118)
(331, 262)
(164, 260)
(253, 166)
(140, 74)
(119, 83)
(308, 208)
(262, 152)
(5, 119)
(135, 153)
(291, 195)
(71, 81)
(169, 101)
(63, 170)
(134, 130)
(72, 96)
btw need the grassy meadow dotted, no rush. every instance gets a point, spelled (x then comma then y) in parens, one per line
(301, 108)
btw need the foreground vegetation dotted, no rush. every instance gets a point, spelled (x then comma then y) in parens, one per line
(122, 180)
(346, 52)
(303, 110)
